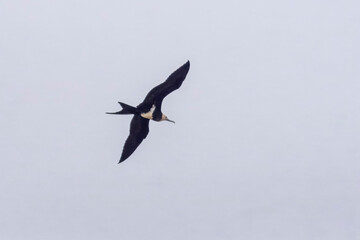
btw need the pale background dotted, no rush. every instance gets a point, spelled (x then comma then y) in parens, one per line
(267, 133)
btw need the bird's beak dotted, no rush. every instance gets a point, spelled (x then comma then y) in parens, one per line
(169, 120)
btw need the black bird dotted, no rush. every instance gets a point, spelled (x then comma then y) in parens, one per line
(149, 109)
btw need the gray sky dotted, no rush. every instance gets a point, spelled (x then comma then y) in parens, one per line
(267, 133)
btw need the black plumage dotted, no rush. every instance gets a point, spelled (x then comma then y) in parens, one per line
(150, 108)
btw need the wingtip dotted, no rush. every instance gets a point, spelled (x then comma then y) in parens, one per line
(186, 65)
(121, 160)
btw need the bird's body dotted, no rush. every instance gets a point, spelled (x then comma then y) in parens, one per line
(148, 115)
(150, 109)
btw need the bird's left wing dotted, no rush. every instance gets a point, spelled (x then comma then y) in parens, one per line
(139, 129)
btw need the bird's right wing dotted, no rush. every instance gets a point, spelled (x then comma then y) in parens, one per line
(139, 129)
(158, 93)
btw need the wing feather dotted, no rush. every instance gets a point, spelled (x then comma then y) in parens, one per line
(139, 129)
(158, 93)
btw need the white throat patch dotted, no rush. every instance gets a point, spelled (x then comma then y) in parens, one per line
(149, 114)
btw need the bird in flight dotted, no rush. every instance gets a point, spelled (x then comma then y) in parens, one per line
(149, 109)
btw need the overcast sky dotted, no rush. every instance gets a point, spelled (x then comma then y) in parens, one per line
(267, 133)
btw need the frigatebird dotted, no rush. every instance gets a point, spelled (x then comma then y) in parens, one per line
(149, 109)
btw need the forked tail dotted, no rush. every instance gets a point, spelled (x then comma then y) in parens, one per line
(127, 109)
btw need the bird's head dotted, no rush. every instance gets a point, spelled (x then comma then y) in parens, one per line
(165, 118)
